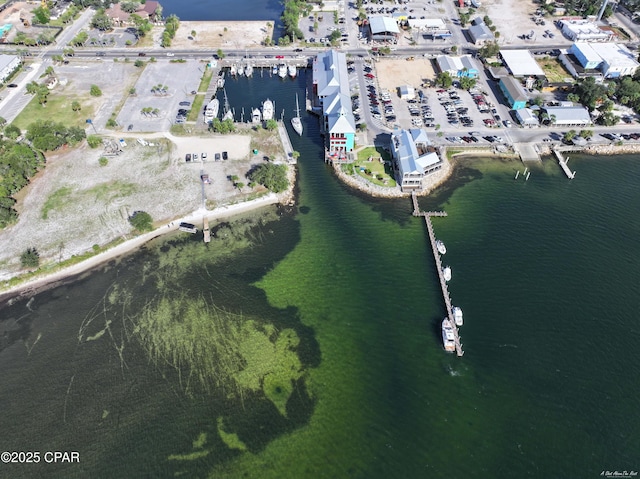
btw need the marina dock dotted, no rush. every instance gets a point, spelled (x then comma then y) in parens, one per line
(563, 164)
(205, 229)
(436, 256)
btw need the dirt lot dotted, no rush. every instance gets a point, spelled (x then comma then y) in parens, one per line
(75, 203)
(513, 18)
(213, 35)
(393, 73)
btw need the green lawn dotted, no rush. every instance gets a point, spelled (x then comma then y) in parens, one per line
(374, 171)
(196, 108)
(60, 105)
(553, 69)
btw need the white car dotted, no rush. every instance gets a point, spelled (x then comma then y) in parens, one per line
(171, 54)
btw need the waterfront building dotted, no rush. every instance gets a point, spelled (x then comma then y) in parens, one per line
(568, 115)
(526, 117)
(413, 158)
(513, 92)
(520, 63)
(383, 29)
(8, 64)
(584, 30)
(332, 101)
(457, 67)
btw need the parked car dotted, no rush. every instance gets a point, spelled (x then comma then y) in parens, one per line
(185, 103)
(217, 156)
(203, 155)
(225, 156)
(187, 157)
(12, 85)
(142, 54)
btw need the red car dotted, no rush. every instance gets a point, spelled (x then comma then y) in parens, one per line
(280, 56)
(369, 75)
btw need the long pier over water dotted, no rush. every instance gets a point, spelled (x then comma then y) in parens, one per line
(436, 256)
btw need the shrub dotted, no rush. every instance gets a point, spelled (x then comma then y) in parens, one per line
(30, 258)
(103, 161)
(94, 141)
(141, 221)
(95, 90)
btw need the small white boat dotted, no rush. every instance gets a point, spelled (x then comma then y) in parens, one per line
(446, 271)
(457, 315)
(274, 70)
(267, 110)
(248, 70)
(255, 116)
(228, 116)
(448, 338)
(296, 123)
(233, 70)
(240, 70)
(442, 249)
(282, 71)
(292, 70)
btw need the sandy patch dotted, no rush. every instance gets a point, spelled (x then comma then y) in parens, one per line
(75, 203)
(513, 19)
(212, 35)
(392, 73)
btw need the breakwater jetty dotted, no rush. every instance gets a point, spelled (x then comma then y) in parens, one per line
(427, 215)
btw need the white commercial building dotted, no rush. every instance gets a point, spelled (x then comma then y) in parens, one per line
(521, 63)
(526, 117)
(414, 158)
(8, 63)
(584, 30)
(568, 115)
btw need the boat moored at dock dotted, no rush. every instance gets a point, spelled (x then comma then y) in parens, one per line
(446, 272)
(293, 71)
(296, 122)
(282, 71)
(448, 338)
(256, 117)
(267, 110)
(457, 315)
(442, 249)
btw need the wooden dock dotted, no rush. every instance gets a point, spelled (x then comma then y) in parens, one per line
(436, 256)
(205, 229)
(563, 164)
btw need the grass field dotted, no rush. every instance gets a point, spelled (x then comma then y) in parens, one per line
(374, 171)
(60, 104)
(553, 69)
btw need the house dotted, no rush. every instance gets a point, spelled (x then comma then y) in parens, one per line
(584, 30)
(605, 60)
(480, 33)
(513, 92)
(413, 158)
(8, 64)
(521, 63)
(150, 10)
(526, 117)
(332, 101)
(568, 115)
(383, 29)
(407, 92)
(457, 67)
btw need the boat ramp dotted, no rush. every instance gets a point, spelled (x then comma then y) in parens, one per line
(427, 215)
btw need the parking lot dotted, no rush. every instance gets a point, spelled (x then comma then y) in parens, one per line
(180, 79)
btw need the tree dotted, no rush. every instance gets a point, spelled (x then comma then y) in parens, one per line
(12, 131)
(590, 93)
(129, 7)
(101, 21)
(220, 54)
(444, 79)
(30, 258)
(132, 91)
(3, 122)
(41, 15)
(273, 177)
(489, 49)
(75, 105)
(141, 221)
(586, 134)
(95, 91)
(569, 135)
(464, 18)
(467, 83)
(138, 63)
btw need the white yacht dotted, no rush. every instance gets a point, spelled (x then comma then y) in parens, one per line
(240, 70)
(282, 71)
(274, 70)
(446, 271)
(211, 111)
(248, 70)
(293, 71)
(457, 315)
(267, 110)
(233, 70)
(296, 123)
(448, 338)
(442, 249)
(255, 116)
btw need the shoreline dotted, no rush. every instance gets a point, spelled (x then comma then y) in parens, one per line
(44, 282)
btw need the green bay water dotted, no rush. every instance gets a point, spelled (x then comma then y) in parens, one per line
(335, 309)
